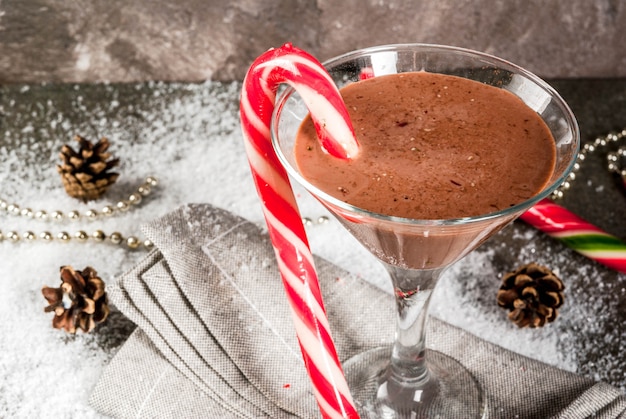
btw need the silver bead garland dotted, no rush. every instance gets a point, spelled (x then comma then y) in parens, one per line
(612, 160)
(98, 236)
(109, 210)
(320, 220)
(615, 160)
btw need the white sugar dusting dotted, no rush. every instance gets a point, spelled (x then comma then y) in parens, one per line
(188, 136)
(192, 144)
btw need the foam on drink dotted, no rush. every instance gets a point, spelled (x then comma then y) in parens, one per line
(433, 146)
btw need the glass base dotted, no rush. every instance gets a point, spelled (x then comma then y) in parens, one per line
(450, 391)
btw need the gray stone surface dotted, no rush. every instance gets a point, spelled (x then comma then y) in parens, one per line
(192, 40)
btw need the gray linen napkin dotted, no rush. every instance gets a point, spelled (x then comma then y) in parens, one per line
(215, 337)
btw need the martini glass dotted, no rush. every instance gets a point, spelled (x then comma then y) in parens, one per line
(406, 380)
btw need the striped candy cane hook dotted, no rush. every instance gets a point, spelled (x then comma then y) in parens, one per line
(295, 261)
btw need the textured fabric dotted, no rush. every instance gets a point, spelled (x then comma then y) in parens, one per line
(215, 337)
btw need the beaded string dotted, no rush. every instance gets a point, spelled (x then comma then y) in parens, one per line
(613, 160)
(132, 242)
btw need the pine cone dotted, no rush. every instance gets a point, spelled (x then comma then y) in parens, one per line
(85, 174)
(532, 294)
(80, 301)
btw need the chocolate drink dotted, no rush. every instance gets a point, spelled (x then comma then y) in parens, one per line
(432, 147)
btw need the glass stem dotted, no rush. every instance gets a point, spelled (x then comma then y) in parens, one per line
(413, 290)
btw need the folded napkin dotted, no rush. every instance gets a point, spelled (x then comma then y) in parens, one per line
(215, 338)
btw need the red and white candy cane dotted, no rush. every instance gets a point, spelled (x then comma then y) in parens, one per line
(309, 78)
(575, 232)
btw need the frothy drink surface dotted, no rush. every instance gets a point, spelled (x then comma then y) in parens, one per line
(433, 147)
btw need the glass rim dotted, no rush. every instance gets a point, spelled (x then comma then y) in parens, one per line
(520, 207)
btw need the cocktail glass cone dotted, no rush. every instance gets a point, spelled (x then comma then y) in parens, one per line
(405, 380)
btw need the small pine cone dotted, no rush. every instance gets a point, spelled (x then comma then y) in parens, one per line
(533, 295)
(86, 173)
(80, 301)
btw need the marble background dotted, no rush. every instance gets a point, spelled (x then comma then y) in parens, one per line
(194, 40)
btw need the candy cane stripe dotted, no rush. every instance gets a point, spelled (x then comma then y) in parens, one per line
(325, 362)
(298, 241)
(578, 234)
(295, 260)
(296, 289)
(592, 242)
